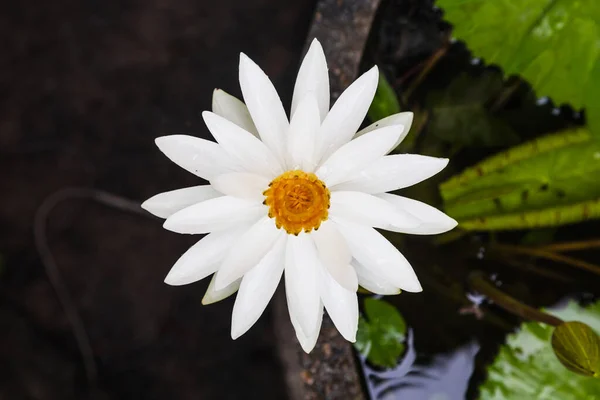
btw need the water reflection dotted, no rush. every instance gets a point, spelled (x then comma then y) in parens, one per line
(444, 377)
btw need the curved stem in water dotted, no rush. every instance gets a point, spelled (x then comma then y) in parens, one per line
(427, 67)
(572, 246)
(478, 282)
(573, 262)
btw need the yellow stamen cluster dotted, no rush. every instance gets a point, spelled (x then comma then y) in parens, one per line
(298, 201)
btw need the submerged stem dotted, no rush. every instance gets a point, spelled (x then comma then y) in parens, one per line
(572, 246)
(479, 283)
(513, 261)
(52, 269)
(505, 95)
(427, 67)
(574, 262)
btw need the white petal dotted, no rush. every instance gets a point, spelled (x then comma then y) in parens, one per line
(346, 115)
(201, 157)
(313, 79)
(357, 155)
(257, 288)
(366, 209)
(233, 109)
(165, 204)
(303, 130)
(244, 185)
(335, 255)
(433, 221)
(394, 172)
(214, 214)
(202, 259)
(212, 295)
(308, 342)
(373, 282)
(301, 290)
(264, 105)
(401, 120)
(377, 254)
(341, 305)
(249, 249)
(247, 150)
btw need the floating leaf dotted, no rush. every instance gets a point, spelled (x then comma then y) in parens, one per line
(547, 217)
(380, 337)
(553, 44)
(459, 115)
(385, 102)
(526, 367)
(454, 186)
(592, 102)
(577, 347)
(546, 182)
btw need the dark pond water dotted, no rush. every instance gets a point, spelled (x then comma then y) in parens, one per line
(86, 87)
(449, 346)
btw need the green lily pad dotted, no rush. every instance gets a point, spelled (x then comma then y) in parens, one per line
(385, 102)
(553, 44)
(380, 337)
(527, 368)
(546, 182)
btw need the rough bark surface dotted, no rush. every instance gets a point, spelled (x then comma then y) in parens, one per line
(342, 27)
(330, 370)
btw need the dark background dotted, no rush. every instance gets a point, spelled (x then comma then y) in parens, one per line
(85, 87)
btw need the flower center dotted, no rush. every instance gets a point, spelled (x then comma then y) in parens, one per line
(298, 201)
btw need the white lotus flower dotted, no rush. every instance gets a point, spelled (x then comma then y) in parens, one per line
(300, 196)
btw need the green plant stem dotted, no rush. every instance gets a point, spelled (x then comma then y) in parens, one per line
(572, 246)
(505, 95)
(428, 66)
(540, 271)
(573, 262)
(478, 282)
